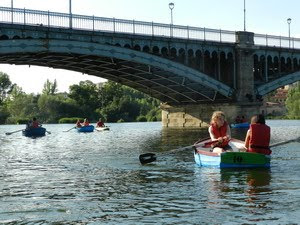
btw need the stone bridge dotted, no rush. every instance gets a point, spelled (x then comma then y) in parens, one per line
(193, 71)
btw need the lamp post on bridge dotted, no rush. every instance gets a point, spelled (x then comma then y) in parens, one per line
(171, 6)
(289, 20)
(244, 15)
(12, 11)
(70, 12)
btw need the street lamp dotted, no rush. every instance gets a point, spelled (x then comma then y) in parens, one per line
(171, 6)
(70, 13)
(289, 20)
(12, 11)
(244, 15)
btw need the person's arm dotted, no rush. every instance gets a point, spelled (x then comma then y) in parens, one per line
(247, 139)
(228, 133)
(211, 135)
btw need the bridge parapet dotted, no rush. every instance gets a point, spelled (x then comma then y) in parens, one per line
(113, 25)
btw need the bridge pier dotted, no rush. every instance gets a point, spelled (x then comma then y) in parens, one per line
(198, 116)
(244, 66)
(245, 103)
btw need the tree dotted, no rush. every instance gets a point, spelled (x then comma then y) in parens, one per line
(293, 102)
(54, 107)
(5, 86)
(22, 107)
(49, 87)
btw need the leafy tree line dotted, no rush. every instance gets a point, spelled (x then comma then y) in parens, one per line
(110, 101)
(293, 102)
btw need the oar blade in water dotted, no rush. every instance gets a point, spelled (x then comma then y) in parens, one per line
(9, 133)
(147, 158)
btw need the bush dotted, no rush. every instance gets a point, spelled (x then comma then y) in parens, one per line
(141, 119)
(120, 121)
(69, 120)
(153, 119)
(22, 121)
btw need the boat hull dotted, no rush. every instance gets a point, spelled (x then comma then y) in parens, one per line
(34, 132)
(102, 128)
(86, 129)
(238, 158)
(240, 125)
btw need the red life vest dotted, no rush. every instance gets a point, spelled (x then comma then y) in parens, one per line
(259, 139)
(35, 124)
(220, 132)
(86, 123)
(100, 124)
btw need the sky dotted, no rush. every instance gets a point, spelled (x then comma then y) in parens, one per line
(262, 16)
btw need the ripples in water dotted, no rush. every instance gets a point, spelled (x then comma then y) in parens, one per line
(72, 178)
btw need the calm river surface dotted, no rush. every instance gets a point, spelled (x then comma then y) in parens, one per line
(96, 178)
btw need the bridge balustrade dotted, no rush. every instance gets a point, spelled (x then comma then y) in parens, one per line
(93, 23)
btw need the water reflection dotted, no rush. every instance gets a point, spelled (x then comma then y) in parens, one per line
(258, 185)
(182, 137)
(99, 180)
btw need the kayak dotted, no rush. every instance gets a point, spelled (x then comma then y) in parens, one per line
(237, 158)
(34, 132)
(85, 129)
(102, 128)
(240, 125)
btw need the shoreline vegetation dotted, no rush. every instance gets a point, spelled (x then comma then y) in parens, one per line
(110, 101)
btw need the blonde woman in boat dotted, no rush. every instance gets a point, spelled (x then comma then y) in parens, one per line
(219, 131)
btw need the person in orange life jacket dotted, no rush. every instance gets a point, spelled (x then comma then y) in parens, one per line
(78, 124)
(100, 123)
(258, 136)
(86, 122)
(219, 130)
(35, 123)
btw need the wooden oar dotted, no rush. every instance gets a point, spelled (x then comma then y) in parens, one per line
(285, 142)
(151, 157)
(9, 133)
(69, 129)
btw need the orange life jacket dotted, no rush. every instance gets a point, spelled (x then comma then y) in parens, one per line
(259, 139)
(220, 132)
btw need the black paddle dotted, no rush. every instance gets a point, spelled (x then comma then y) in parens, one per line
(151, 157)
(9, 133)
(69, 129)
(48, 132)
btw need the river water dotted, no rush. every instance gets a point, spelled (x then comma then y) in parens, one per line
(96, 178)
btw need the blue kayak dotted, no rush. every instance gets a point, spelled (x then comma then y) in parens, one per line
(240, 125)
(85, 129)
(34, 132)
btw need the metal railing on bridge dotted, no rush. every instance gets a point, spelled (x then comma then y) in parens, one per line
(93, 23)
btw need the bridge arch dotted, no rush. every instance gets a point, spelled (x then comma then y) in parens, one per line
(275, 84)
(159, 77)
